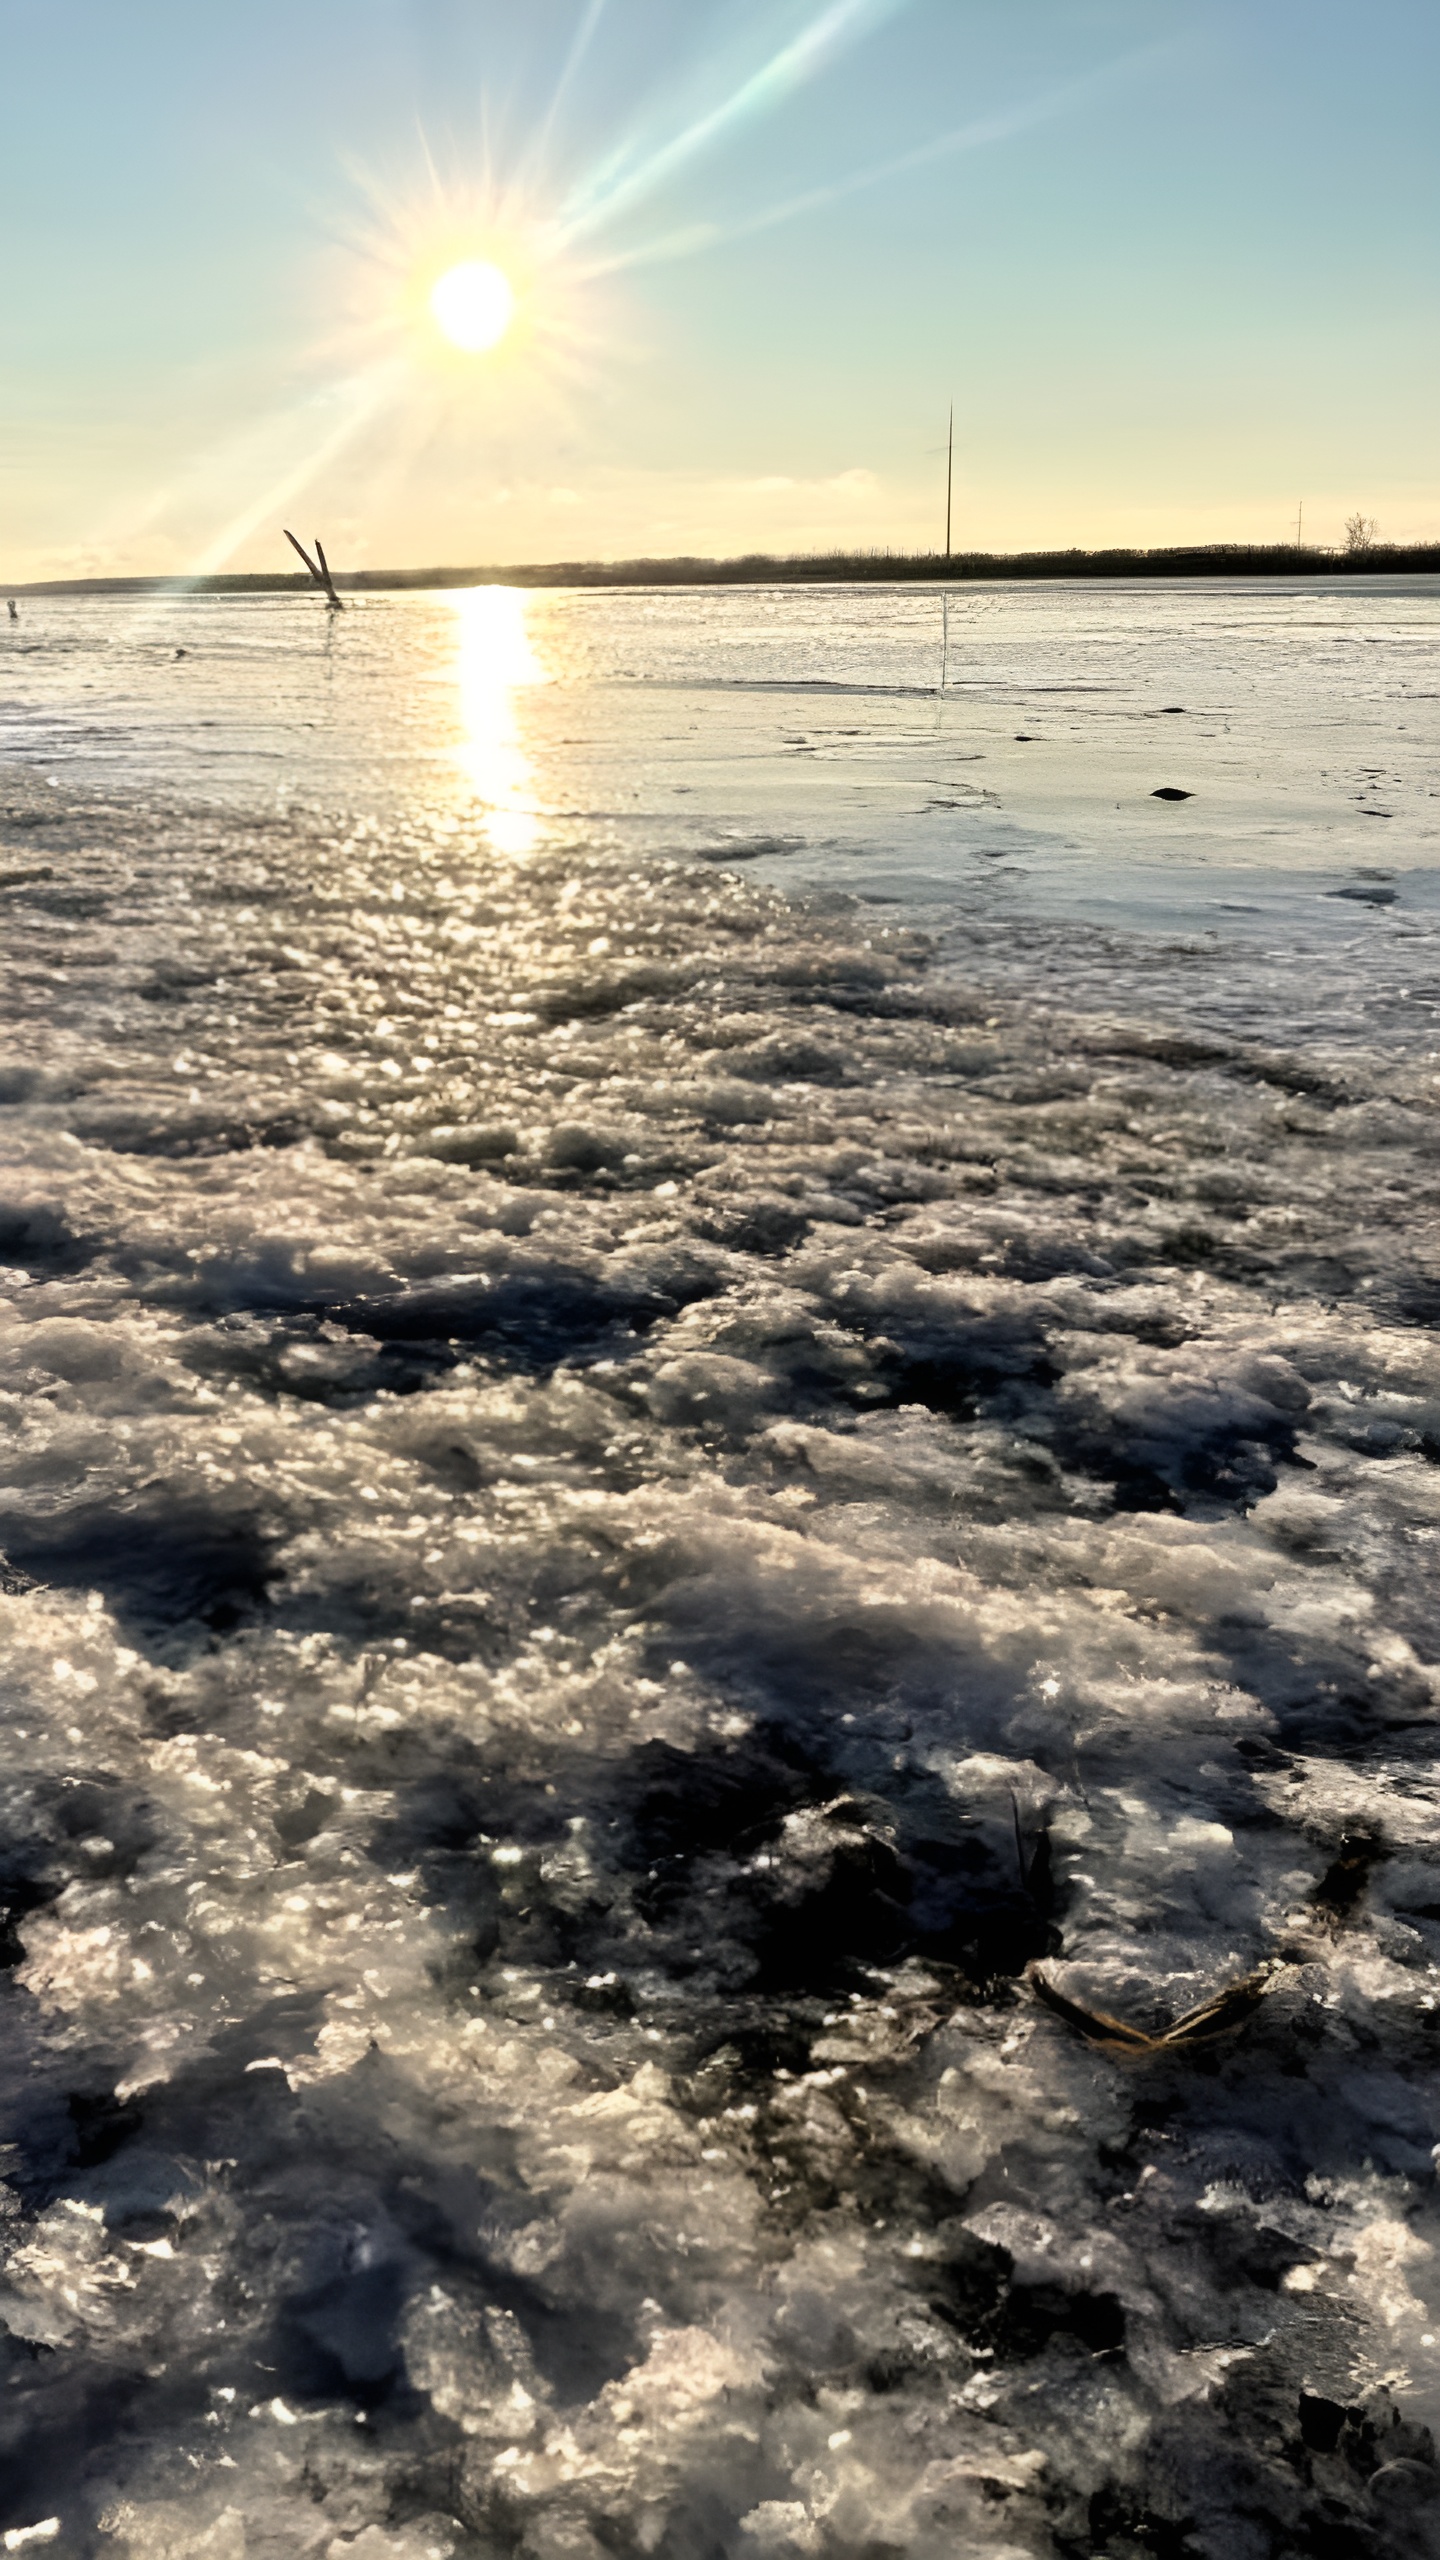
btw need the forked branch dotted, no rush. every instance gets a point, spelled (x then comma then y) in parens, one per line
(319, 569)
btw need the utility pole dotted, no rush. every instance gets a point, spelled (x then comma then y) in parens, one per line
(949, 477)
(1300, 528)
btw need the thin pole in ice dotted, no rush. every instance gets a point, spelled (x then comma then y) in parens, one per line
(949, 505)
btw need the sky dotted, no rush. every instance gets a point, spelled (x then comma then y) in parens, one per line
(1174, 262)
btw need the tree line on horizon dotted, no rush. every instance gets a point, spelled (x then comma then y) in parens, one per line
(1363, 552)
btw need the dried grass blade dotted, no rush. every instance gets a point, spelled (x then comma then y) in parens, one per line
(1228, 2008)
(1096, 2023)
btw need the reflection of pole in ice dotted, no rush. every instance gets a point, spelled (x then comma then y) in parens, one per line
(944, 641)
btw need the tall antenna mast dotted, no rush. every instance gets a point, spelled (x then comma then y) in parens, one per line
(1300, 528)
(949, 477)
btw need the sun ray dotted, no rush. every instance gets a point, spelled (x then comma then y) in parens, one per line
(1001, 126)
(613, 189)
(580, 46)
(364, 396)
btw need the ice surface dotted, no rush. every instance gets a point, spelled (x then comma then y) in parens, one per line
(624, 1499)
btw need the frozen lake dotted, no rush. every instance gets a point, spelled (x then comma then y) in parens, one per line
(716, 1366)
(804, 731)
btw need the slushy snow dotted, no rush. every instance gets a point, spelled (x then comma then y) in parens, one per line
(624, 1503)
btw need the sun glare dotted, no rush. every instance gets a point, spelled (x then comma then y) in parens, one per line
(494, 661)
(473, 304)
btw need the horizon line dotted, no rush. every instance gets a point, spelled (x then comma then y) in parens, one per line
(747, 567)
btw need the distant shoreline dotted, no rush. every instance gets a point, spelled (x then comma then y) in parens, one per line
(754, 569)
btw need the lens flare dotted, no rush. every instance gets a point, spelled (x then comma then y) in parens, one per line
(473, 304)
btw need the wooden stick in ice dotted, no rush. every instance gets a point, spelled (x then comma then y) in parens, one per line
(319, 570)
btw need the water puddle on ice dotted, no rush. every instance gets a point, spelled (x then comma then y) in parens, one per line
(702, 1372)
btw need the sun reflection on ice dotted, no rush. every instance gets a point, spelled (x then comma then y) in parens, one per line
(494, 660)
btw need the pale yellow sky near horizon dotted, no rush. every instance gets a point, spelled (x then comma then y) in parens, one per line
(618, 515)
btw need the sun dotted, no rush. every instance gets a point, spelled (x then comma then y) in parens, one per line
(473, 305)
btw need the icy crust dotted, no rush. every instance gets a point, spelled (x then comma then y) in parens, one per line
(624, 1505)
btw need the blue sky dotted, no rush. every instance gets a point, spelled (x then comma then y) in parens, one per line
(1174, 260)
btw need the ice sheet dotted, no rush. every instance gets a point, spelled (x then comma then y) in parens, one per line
(627, 1498)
